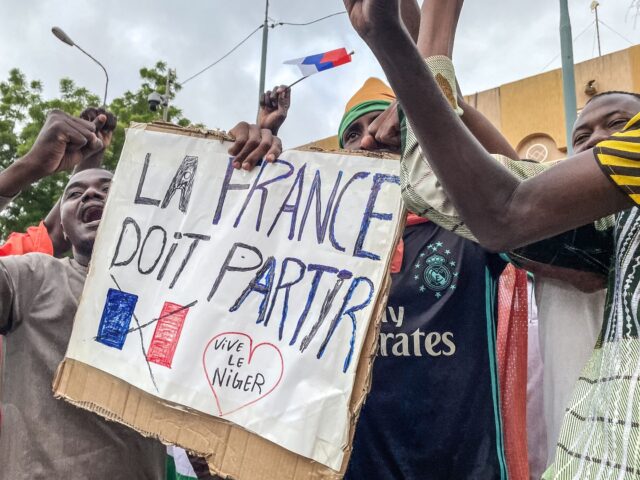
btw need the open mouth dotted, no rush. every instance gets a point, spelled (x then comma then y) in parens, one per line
(92, 215)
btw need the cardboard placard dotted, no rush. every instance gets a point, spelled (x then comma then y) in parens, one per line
(235, 313)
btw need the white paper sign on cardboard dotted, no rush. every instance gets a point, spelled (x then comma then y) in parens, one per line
(243, 295)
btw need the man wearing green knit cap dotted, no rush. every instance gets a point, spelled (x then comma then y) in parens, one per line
(373, 98)
(432, 410)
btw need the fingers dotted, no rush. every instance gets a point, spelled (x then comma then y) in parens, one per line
(74, 139)
(102, 133)
(275, 150)
(90, 114)
(87, 130)
(87, 143)
(94, 145)
(79, 123)
(386, 127)
(241, 133)
(100, 122)
(61, 127)
(388, 135)
(277, 98)
(248, 138)
(273, 98)
(284, 97)
(251, 156)
(252, 144)
(106, 137)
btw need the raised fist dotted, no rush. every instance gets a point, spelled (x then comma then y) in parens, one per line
(372, 17)
(274, 106)
(62, 143)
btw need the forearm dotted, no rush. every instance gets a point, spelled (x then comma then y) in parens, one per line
(484, 131)
(457, 158)
(18, 176)
(410, 12)
(424, 194)
(438, 23)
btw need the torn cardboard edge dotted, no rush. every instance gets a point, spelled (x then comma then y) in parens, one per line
(231, 451)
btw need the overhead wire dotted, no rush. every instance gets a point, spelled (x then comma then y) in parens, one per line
(574, 39)
(238, 45)
(617, 33)
(293, 24)
(245, 39)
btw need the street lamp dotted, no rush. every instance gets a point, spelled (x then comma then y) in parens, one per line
(568, 74)
(63, 37)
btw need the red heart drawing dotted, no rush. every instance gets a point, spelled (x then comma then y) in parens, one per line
(235, 380)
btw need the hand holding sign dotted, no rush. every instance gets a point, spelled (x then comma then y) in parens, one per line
(252, 144)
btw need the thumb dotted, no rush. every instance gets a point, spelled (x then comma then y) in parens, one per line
(100, 121)
(94, 144)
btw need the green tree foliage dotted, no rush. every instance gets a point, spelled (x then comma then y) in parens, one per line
(23, 111)
(133, 107)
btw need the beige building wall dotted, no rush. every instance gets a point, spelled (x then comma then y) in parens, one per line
(329, 143)
(530, 112)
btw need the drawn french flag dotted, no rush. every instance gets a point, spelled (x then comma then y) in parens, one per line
(321, 62)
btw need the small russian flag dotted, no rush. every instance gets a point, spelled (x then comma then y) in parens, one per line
(321, 62)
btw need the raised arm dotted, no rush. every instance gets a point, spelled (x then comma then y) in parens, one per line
(410, 11)
(438, 23)
(491, 200)
(61, 144)
(424, 194)
(438, 26)
(105, 124)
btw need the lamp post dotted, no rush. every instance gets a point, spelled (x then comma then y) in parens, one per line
(568, 75)
(263, 58)
(63, 37)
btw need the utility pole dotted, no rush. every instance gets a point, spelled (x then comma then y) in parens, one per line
(167, 95)
(594, 8)
(568, 75)
(265, 40)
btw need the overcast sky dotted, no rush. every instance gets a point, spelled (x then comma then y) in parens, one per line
(498, 42)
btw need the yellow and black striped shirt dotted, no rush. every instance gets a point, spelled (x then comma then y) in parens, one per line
(619, 158)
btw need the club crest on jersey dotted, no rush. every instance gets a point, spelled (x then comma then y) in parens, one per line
(435, 271)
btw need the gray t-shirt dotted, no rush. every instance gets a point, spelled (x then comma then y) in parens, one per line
(42, 437)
